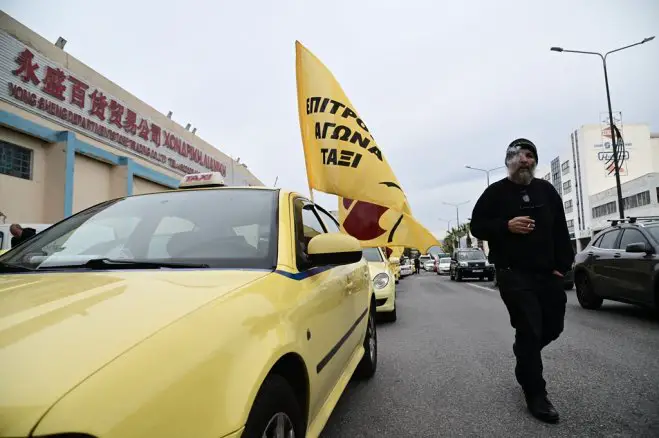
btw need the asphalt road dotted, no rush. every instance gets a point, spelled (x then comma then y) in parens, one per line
(446, 370)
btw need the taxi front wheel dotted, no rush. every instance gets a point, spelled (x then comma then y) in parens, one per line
(275, 410)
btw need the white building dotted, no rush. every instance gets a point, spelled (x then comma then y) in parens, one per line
(584, 177)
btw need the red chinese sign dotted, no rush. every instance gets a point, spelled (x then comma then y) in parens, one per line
(57, 93)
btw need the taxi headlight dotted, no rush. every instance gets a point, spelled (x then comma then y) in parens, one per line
(381, 280)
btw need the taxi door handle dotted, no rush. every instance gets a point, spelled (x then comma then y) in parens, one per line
(616, 255)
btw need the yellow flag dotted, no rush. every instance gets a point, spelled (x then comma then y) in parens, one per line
(374, 225)
(341, 155)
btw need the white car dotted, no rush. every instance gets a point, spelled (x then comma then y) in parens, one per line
(406, 268)
(444, 266)
(427, 263)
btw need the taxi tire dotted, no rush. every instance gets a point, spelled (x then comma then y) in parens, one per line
(389, 316)
(275, 395)
(369, 363)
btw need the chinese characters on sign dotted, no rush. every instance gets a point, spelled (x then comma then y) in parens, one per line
(54, 91)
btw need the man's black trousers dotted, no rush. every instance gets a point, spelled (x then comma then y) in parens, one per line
(536, 305)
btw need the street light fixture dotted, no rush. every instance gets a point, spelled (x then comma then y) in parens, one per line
(608, 99)
(448, 223)
(487, 171)
(457, 214)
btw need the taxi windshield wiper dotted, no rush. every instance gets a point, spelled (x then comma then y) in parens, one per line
(8, 267)
(106, 263)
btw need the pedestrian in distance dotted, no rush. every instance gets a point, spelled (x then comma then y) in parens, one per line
(522, 219)
(417, 265)
(20, 234)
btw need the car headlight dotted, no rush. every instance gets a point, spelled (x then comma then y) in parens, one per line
(381, 280)
(463, 264)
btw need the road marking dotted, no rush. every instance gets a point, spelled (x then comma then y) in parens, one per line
(481, 287)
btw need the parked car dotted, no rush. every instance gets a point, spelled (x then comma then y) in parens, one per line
(443, 266)
(247, 322)
(406, 267)
(621, 264)
(427, 262)
(383, 277)
(470, 262)
(394, 263)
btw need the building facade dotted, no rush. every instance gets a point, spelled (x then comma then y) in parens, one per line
(584, 177)
(70, 138)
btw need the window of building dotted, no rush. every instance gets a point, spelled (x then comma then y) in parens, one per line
(568, 206)
(603, 210)
(570, 225)
(637, 200)
(567, 186)
(565, 166)
(15, 160)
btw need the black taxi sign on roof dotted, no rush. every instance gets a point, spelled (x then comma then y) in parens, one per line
(207, 179)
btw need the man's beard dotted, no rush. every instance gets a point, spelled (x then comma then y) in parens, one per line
(522, 175)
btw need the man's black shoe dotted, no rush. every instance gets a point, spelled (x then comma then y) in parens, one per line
(541, 408)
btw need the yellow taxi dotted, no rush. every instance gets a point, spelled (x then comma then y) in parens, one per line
(384, 283)
(203, 312)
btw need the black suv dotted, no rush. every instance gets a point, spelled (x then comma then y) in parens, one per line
(620, 264)
(470, 262)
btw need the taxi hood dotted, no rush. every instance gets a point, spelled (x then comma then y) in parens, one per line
(375, 268)
(57, 329)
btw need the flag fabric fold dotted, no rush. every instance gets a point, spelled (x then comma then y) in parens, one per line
(341, 154)
(376, 226)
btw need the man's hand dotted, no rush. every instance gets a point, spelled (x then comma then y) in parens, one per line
(521, 225)
(558, 274)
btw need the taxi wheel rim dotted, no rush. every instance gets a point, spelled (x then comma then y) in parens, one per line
(372, 340)
(279, 426)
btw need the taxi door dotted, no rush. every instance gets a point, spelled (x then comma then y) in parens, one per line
(359, 287)
(329, 314)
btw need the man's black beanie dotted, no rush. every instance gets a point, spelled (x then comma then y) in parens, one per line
(517, 145)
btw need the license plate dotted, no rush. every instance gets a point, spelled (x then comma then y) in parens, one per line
(478, 270)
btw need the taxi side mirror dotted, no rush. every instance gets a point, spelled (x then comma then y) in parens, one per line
(394, 260)
(334, 249)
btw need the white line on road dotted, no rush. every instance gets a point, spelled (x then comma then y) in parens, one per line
(481, 287)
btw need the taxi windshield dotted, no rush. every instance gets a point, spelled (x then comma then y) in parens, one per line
(372, 254)
(226, 228)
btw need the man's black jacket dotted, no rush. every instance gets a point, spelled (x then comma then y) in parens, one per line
(27, 234)
(546, 248)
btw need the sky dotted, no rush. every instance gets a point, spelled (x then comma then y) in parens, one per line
(440, 84)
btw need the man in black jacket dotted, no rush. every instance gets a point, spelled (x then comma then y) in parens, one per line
(523, 221)
(20, 234)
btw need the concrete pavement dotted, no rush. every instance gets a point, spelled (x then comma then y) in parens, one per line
(446, 369)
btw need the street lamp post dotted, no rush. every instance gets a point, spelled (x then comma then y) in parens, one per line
(457, 214)
(448, 224)
(614, 142)
(487, 171)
